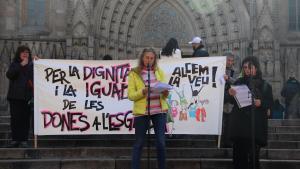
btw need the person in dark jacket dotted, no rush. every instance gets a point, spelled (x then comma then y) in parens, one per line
(198, 47)
(20, 92)
(230, 78)
(289, 90)
(294, 107)
(249, 135)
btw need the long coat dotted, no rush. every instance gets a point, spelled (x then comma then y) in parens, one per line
(20, 81)
(240, 122)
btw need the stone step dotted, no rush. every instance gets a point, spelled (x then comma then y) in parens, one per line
(284, 144)
(125, 163)
(271, 136)
(197, 143)
(284, 136)
(4, 119)
(118, 152)
(5, 127)
(280, 141)
(115, 143)
(3, 135)
(285, 122)
(271, 122)
(284, 129)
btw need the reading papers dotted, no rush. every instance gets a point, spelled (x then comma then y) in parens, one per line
(160, 87)
(243, 95)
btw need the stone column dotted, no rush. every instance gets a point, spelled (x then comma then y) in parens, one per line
(68, 48)
(91, 48)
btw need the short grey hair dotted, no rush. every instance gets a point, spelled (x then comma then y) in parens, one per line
(228, 54)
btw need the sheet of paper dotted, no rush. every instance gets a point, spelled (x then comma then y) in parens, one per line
(159, 87)
(243, 95)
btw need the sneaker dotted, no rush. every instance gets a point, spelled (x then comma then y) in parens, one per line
(12, 144)
(23, 144)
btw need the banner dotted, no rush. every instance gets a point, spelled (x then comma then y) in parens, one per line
(73, 97)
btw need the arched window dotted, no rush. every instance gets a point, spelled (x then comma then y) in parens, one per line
(36, 13)
(294, 15)
(33, 15)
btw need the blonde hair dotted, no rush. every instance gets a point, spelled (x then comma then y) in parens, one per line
(141, 63)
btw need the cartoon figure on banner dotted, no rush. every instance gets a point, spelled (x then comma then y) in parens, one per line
(174, 108)
(183, 105)
(170, 116)
(192, 109)
(173, 112)
(193, 105)
(201, 112)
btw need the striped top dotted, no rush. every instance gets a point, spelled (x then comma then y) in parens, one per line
(155, 106)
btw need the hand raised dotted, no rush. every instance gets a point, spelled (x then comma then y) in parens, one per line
(35, 57)
(24, 62)
(257, 102)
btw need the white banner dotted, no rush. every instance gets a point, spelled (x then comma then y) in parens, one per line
(90, 97)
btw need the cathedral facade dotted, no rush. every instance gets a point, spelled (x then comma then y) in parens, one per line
(90, 29)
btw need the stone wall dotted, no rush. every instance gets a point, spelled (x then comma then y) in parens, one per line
(89, 29)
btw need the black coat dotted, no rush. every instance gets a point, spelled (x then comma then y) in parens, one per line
(240, 122)
(229, 82)
(290, 88)
(20, 81)
(200, 52)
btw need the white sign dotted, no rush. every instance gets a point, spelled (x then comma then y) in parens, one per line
(90, 97)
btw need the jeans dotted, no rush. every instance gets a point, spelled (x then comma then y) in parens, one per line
(141, 125)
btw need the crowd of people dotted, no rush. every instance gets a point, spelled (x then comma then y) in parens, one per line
(244, 129)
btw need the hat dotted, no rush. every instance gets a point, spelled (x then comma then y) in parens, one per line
(196, 40)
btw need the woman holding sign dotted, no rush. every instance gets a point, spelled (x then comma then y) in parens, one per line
(248, 124)
(147, 72)
(20, 92)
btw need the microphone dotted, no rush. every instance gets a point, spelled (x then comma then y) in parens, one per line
(148, 113)
(148, 77)
(148, 66)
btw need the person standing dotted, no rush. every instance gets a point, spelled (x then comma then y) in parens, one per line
(289, 90)
(171, 50)
(230, 78)
(156, 112)
(20, 92)
(249, 125)
(198, 47)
